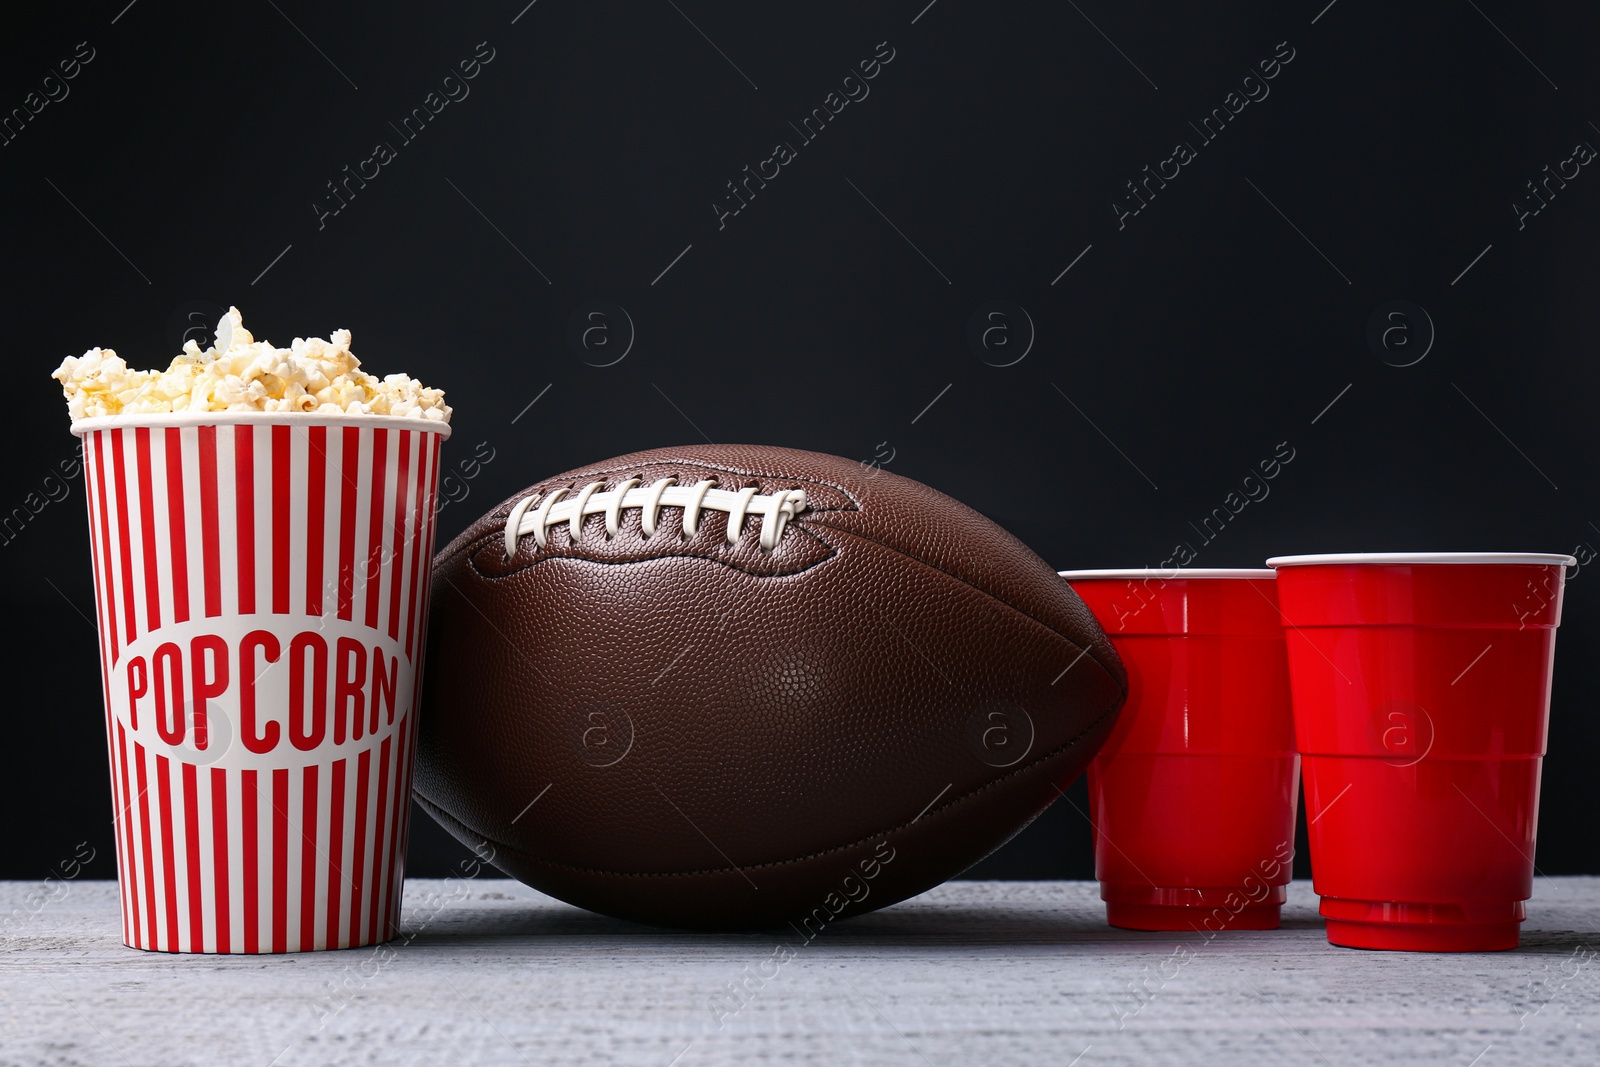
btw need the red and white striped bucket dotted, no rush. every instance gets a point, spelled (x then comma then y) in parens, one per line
(261, 583)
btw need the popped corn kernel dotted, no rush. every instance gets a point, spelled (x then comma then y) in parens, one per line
(239, 373)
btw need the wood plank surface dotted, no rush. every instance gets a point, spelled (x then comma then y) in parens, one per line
(490, 972)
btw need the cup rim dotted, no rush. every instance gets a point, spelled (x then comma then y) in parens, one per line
(1545, 559)
(235, 418)
(1170, 573)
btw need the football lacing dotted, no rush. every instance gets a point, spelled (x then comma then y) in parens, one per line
(775, 509)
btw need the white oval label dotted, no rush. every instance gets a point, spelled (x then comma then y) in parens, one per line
(266, 691)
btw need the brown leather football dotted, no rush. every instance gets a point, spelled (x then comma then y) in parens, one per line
(735, 686)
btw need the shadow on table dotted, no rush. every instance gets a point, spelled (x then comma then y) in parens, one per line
(941, 927)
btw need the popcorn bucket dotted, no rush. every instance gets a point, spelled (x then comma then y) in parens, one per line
(261, 587)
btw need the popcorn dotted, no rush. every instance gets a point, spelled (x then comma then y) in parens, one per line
(239, 373)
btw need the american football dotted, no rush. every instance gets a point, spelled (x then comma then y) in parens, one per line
(736, 687)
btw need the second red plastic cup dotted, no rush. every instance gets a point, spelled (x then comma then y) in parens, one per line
(1193, 796)
(1421, 698)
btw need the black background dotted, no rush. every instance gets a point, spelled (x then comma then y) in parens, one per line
(1178, 351)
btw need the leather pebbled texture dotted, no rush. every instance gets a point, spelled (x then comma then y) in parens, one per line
(690, 733)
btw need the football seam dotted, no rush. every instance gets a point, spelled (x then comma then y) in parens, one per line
(439, 813)
(1073, 641)
(451, 551)
(542, 556)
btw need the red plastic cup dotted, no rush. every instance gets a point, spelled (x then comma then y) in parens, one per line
(1193, 796)
(1421, 696)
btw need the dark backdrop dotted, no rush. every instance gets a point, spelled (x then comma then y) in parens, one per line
(950, 278)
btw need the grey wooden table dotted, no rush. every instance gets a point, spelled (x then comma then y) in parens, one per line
(490, 972)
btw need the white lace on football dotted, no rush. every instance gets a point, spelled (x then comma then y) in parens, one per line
(557, 507)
